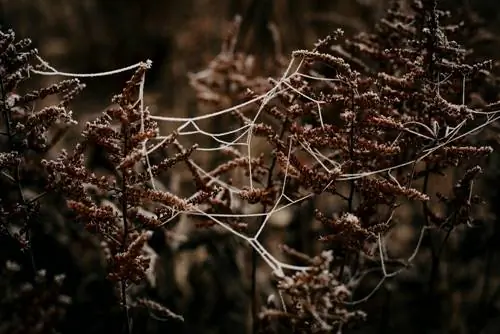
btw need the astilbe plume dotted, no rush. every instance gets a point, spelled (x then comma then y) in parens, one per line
(363, 120)
(112, 206)
(397, 115)
(26, 130)
(232, 77)
(31, 301)
(317, 299)
(231, 74)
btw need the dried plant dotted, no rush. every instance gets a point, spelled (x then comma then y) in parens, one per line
(32, 303)
(358, 127)
(26, 130)
(112, 206)
(367, 120)
(317, 299)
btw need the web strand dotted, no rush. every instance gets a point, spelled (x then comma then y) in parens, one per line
(243, 137)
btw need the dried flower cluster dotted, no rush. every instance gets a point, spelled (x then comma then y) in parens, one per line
(316, 299)
(112, 206)
(32, 301)
(367, 120)
(25, 129)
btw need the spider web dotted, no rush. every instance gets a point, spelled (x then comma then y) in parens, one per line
(244, 138)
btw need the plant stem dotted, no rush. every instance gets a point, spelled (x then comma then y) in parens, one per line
(16, 176)
(255, 256)
(123, 200)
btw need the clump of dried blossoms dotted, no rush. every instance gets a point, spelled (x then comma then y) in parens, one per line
(366, 121)
(32, 301)
(27, 134)
(122, 206)
(316, 299)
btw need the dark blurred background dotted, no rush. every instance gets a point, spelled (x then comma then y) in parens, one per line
(178, 36)
(183, 36)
